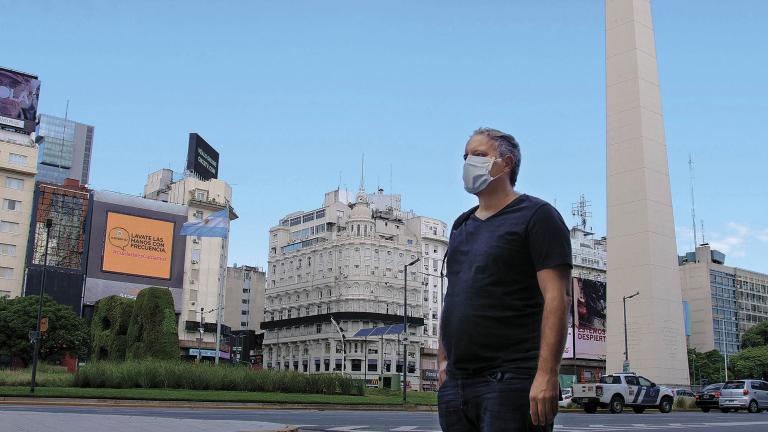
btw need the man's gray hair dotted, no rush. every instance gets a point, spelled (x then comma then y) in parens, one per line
(506, 145)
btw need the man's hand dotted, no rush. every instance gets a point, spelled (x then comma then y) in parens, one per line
(543, 398)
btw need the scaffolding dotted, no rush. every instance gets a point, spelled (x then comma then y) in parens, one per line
(68, 208)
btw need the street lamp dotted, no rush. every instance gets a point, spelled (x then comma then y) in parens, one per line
(626, 345)
(36, 354)
(201, 329)
(405, 325)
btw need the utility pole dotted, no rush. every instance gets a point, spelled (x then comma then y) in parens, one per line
(37, 335)
(405, 327)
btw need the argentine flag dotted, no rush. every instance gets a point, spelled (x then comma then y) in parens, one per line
(214, 225)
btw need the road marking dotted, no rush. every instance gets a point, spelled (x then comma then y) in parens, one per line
(349, 429)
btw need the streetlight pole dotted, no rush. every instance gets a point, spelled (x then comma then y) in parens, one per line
(201, 329)
(626, 344)
(36, 354)
(405, 326)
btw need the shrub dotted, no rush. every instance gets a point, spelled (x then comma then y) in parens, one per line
(152, 331)
(109, 328)
(176, 374)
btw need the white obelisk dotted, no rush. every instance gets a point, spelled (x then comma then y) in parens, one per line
(642, 253)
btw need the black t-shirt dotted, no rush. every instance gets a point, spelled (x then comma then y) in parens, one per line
(491, 318)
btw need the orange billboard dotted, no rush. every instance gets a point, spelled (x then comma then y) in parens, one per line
(138, 246)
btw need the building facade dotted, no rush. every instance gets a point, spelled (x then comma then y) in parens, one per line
(68, 206)
(65, 150)
(205, 258)
(340, 268)
(18, 156)
(589, 263)
(244, 294)
(723, 302)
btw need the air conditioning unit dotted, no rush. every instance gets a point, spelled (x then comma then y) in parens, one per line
(195, 241)
(195, 262)
(192, 281)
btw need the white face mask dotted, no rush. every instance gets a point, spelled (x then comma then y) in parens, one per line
(477, 173)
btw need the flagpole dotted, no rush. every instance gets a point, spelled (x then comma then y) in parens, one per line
(222, 275)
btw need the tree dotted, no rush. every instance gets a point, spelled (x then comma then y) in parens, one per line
(756, 336)
(67, 332)
(707, 366)
(152, 332)
(751, 363)
(109, 328)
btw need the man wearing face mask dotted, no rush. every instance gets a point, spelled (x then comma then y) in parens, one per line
(503, 325)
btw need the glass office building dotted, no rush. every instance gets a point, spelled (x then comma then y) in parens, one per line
(65, 151)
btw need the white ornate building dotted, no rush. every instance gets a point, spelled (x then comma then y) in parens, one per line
(346, 261)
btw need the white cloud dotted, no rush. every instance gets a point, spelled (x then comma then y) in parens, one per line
(733, 243)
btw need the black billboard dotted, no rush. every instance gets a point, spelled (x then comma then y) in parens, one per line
(202, 159)
(19, 93)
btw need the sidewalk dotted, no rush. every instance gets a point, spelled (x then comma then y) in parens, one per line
(12, 400)
(59, 422)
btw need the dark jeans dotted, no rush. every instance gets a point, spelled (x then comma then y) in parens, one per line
(493, 402)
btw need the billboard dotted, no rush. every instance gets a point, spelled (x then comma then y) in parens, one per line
(19, 93)
(202, 159)
(138, 246)
(589, 313)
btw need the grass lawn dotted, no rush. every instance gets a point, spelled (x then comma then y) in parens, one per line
(49, 376)
(373, 397)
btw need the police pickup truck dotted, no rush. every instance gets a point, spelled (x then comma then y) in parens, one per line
(623, 389)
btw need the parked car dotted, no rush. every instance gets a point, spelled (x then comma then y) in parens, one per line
(623, 389)
(567, 395)
(684, 393)
(709, 397)
(748, 394)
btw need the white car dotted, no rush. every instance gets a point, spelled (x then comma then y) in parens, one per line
(623, 389)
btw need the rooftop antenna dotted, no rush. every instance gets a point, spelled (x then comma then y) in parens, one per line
(63, 136)
(391, 190)
(581, 211)
(703, 240)
(362, 174)
(339, 187)
(693, 202)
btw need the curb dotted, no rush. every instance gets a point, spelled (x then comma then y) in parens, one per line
(129, 403)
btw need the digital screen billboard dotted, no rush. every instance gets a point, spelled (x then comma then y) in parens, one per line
(202, 159)
(19, 93)
(589, 313)
(138, 246)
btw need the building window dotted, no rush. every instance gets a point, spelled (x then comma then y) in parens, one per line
(11, 205)
(201, 195)
(320, 214)
(6, 273)
(7, 249)
(318, 328)
(243, 324)
(245, 301)
(243, 312)
(14, 183)
(9, 227)
(17, 159)
(356, 365)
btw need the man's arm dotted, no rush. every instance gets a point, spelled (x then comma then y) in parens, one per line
(442, 362)
(555, 288)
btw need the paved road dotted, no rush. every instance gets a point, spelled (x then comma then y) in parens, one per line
(366, 421)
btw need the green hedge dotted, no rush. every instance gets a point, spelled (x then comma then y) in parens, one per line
(152, 332)
(184, 375)
(109, 328)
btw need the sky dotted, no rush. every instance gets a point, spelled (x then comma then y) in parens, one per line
(292, 94)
